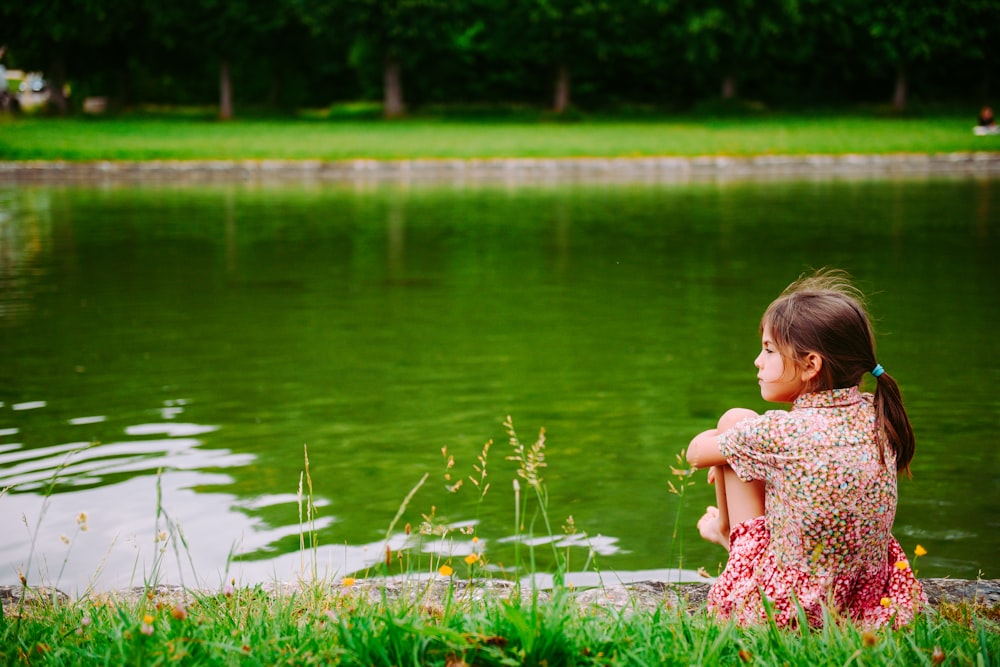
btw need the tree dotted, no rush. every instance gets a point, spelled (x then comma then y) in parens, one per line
(562, 34)
(225, 30)
(650, 51)
(978, 34)
(396, 36)
(907, 32)
(731, 36)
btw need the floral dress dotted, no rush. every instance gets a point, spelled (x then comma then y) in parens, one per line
(825, 538)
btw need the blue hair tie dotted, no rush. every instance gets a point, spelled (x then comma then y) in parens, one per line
(878, 370)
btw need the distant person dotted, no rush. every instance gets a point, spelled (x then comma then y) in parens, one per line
(987, 124)
(807, 497)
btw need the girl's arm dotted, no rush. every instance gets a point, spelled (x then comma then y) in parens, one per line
(703, 452)
(737, 500)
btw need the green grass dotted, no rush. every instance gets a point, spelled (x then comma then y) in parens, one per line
(346, 622)
(321, 625)
(198, 137)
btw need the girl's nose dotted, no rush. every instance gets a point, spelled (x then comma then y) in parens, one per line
(759, 361)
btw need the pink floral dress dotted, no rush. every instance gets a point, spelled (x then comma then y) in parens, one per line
(825, 539)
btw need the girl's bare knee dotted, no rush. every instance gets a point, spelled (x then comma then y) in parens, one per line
(734, 416)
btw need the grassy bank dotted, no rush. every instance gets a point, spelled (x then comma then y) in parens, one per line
(324, 625)
(441, 621)
(202, 138)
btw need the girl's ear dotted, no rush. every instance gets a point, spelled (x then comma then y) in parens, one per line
(811, 366)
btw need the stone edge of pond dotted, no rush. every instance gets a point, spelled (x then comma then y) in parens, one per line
(644, 595)
(530, 170)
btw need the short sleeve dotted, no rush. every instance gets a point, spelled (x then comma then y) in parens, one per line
(755, 448)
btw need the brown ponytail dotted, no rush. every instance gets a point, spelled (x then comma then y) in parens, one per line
(892, 423)
(824, 313)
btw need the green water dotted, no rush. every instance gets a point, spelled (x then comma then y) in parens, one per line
(210, 333)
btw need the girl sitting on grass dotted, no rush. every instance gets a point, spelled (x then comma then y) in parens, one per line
(806, 498)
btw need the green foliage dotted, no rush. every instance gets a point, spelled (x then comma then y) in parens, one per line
(673, 53)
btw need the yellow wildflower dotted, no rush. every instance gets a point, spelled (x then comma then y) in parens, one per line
(347, 582)
(885, 602)
(471, 558)
(446, 571)
(902, 565)
(920, 551)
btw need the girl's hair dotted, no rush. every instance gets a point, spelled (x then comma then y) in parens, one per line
(824, 313)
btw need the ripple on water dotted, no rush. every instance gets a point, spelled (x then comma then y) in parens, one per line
(88, 464)
(171, 429)
(80, 421)
(29, 405)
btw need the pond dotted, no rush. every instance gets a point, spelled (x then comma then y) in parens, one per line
(171, 353)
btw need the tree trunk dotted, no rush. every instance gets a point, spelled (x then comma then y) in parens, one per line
(124, 86)
(225, 91)
(728, 86)
(561, 99)
(274, 93)
(57, 85)
(899, 95)
(392, 103)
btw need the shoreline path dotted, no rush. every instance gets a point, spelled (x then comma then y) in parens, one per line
(508, 170)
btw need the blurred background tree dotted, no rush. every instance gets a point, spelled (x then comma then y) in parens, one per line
(597, 55)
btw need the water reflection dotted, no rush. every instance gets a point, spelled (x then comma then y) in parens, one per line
(167, 352)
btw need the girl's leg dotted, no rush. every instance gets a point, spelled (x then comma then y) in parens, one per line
(738, 501)
(714, 524)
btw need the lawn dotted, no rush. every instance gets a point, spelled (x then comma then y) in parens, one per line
(322, 625)
(302, 138)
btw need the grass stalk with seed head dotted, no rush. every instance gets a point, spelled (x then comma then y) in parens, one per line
(306, 498)
(530, 462)
(683, 474)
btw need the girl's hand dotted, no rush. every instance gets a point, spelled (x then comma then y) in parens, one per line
(711, 475)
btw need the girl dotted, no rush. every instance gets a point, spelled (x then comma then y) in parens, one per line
(806, 498)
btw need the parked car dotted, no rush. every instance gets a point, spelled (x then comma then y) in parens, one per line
(33, 91)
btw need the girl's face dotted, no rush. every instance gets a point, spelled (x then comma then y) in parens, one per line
(780, 381)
